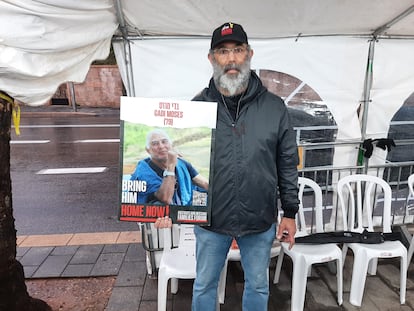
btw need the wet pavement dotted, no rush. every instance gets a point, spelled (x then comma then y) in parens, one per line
(121, 254)
(55, 138)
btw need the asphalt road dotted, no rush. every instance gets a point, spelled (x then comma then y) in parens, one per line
(48, 200)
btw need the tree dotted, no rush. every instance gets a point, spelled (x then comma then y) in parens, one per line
(13, 290)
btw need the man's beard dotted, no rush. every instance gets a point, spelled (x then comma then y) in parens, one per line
(232, 84)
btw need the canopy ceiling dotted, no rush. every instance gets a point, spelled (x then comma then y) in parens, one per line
(161, 49)
(270, 18)
(44, 43)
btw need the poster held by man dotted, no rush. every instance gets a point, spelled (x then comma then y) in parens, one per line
(165, 156)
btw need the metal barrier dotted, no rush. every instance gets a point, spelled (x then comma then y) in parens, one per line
(396, 174)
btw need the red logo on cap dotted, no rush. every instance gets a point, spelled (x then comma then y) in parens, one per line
(227, 30)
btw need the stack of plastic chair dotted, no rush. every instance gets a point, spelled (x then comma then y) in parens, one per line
(411, 195)
(305, 255)
(176, 262)
(358, 193)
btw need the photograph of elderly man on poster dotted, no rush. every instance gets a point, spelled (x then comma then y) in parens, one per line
(170, 179)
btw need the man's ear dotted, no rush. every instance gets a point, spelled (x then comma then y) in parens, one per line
(210, 57)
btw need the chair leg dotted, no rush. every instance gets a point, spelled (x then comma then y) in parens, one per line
(278, 266)
(299, 280)
(403, 278)
(162, 291)
(339, 281)
(174, 285)
(309, 271)
(217, 304)
(221, 290)
(410, 250)
(359, 275)
(372, 266)
(344, 253)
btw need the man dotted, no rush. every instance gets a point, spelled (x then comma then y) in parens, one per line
(255, 158)
(169, 178)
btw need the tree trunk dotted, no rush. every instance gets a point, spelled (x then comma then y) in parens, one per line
(13, 291)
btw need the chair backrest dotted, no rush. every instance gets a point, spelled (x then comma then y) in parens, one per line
(186, 239)
(304, 227)
(411, 185)
(187, 236)
(410, 196)
(358, 195)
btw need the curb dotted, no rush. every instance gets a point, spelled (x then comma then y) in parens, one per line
(56, 113)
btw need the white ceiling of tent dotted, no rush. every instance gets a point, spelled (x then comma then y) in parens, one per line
(346, 25)
(268, 19)
(44, 43)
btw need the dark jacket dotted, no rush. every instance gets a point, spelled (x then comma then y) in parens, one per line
(253, 157)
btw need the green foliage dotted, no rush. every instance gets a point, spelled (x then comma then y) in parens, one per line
(134, 141)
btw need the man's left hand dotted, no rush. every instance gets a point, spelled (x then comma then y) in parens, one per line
(286, 231)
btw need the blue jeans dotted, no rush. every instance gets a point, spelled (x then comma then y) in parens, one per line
(211, 253)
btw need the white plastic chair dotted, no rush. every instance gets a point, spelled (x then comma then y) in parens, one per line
(305, 255)
(176, 263)
(359, 217)
(410, 195)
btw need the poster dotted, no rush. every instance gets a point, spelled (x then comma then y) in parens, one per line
(166, 159)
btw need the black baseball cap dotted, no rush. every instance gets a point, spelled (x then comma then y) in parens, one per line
(228, 32)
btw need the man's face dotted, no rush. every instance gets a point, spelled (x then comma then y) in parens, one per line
(231, 65)
(159, 146)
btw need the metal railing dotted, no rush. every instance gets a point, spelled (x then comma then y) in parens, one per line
(396, 175)
(327, 176)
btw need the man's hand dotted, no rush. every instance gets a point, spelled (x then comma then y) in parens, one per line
(286, 231)
(163, 222)
(172, 160)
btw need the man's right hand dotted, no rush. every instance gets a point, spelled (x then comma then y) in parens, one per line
(172, 160)
(163, 222)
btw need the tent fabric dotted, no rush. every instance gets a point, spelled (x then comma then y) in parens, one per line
(266, 19)
(323, 43)
(164, 68)
(161, 48)
(45, 43)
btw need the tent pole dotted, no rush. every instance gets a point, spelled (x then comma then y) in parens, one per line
(72, 96)
(129, 73)
(367, 94)
(367, 88)
(127, 49)
(380, 30)
(369, 72)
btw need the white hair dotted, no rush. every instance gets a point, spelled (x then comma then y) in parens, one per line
(159, 132)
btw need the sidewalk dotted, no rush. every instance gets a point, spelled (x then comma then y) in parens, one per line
(121, 254)
(90, 255)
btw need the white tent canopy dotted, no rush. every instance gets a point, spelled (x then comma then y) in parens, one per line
(161, 48)
(268, 18)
